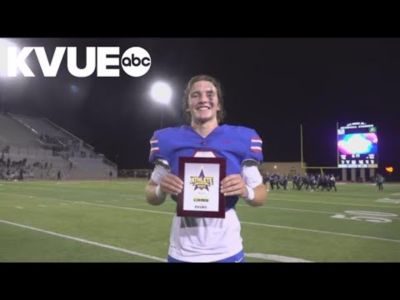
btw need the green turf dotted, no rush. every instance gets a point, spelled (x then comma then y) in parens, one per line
(296, 224)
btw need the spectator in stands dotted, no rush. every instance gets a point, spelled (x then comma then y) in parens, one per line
(199, 239)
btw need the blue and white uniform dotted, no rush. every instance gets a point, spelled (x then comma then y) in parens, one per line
(208, 239)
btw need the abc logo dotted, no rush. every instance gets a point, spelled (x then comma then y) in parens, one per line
(136, 61)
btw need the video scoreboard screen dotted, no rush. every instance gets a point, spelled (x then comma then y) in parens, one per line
(357, 145)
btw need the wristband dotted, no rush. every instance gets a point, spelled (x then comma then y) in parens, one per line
(250, 193)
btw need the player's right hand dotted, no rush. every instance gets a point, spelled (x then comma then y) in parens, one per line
(171, 184)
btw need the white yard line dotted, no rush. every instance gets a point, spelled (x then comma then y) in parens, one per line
(275, 257)
(290, 200)
(301, 210)
(69, 237)
(292, 209)
(256, 224)
(335, 203)
(322, 232)
(244, 222)
(124, 207)
(270, 257)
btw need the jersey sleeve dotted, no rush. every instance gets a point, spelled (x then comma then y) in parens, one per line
(158, 149)
(254, 150)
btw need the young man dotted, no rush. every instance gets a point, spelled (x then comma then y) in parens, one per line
(207, 239)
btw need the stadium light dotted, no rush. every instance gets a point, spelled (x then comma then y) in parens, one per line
(389, 169)
(161, 92)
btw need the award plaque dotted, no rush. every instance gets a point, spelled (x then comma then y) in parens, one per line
(201, 196)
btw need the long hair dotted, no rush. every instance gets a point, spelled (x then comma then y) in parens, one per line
(215, 82)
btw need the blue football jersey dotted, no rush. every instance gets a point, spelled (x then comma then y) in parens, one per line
(236, 144)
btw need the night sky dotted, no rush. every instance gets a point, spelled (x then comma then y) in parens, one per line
(270, 84)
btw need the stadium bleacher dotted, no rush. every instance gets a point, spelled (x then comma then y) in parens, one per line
(38, 148)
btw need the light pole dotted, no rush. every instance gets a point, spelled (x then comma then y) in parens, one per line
(161, 92)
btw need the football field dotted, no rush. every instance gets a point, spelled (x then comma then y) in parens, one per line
(110, 221)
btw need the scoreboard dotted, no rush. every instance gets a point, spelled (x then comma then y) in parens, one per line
(357, 146)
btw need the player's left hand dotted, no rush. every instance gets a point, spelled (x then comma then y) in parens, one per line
(233, 185)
